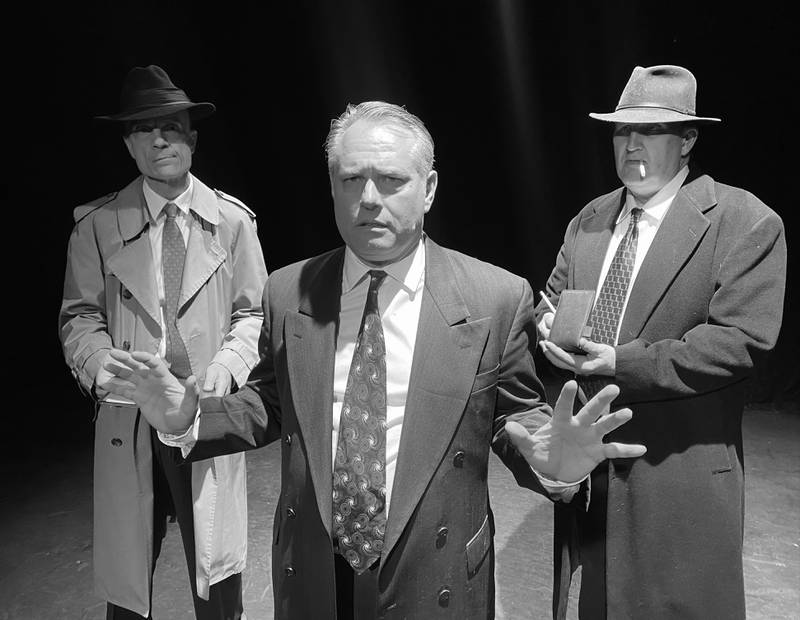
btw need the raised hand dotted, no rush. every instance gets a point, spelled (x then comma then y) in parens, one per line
(569, 447)
(146, 380)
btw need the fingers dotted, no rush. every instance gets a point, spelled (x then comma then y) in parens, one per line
(598, 405)
(623, 450)
(559, 357)
(518, 435)
(120, 387)
(562, 413)
(613, 421)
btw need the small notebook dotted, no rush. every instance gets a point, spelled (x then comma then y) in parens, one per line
(569, 323)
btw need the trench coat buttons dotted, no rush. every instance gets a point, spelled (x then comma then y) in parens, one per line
(290, 513)
(458, 459)
(444, 597)
(126, 345)
(126, 294)
(288, 571)
(441, 537)
(116, 442)
(288, 440)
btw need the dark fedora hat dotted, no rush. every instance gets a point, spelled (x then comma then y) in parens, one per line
(147, 92)
(659, 94)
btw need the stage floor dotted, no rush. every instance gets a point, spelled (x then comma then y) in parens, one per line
(46, 546)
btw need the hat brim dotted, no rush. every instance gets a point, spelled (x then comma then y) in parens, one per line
(196, 111)
(650, 115)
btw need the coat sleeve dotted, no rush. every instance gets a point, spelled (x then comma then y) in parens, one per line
(744, 318)
(520, 394)
(249, 418)
(82, 321)
(239, 350)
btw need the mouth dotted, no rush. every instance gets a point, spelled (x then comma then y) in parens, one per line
(371, 225)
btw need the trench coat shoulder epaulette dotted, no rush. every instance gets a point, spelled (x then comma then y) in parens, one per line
(82, 211)
(235, 201)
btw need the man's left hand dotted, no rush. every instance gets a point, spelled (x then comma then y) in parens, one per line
(597, 359)
(218, 380)
(568, 448)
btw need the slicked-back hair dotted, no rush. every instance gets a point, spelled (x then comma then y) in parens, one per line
(382, 112)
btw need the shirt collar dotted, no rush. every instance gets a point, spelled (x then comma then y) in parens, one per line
(408, 271)
(656, 207)
(156, 202)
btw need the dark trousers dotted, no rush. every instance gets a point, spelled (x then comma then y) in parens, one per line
(356, 595)
(172, 495)
(592, 533)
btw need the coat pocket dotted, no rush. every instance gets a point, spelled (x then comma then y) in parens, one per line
(485, 380)
(477, 547)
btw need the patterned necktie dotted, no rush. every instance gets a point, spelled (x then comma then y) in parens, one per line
(173, 256)
(607, 310)
(359, 475)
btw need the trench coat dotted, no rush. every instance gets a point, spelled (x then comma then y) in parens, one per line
(472, 370)
(705, 308)
(110, 300)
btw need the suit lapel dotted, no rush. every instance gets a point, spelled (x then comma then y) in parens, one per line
(446, 357)
(310, 338)
(596, 231)
(133, 263)
(679, 234)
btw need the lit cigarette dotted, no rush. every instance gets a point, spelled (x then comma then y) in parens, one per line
(641, 169)
(547, 301)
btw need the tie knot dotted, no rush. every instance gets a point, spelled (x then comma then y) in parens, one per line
(171, 209)
(376, 276)
(636, 213)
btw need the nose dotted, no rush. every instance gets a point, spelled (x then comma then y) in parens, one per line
(634, 141)
(158, 139)
(370, 196)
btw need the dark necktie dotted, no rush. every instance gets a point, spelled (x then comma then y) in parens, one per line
(173, 256)
(359, 474)
(607, 310)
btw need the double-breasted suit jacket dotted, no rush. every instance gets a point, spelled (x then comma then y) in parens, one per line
(472, 370)
(705, 307)
(111, 300)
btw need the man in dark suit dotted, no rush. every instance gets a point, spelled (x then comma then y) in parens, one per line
(388, 368)
(689, 275)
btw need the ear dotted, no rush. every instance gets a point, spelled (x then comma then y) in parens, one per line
(430, 189)
(192, 141)
(688, 140)
(127, 141)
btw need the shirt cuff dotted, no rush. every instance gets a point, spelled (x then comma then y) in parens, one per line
(559, 491)
(186, 440)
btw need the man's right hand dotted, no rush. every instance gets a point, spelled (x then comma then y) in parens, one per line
(146, 380)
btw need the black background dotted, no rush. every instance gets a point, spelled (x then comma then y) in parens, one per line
(504, 88)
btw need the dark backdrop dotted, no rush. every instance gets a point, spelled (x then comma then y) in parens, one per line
(504, 87)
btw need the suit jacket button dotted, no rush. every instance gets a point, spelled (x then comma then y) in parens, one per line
(458, 459)
(126, 294)
(288, 571)
(441, 537)
(290, 513)
(288, 440)
(444, 597)
(116, 442)
(126, 345)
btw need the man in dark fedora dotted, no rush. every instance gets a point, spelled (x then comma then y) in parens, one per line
(689, 276)
(173, 267)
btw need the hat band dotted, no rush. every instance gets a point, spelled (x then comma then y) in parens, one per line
(153, 98)
(657, 106)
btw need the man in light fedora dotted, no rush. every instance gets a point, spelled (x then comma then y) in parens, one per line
(173, 267)
(689, 276)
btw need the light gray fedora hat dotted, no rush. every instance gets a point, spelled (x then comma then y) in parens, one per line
(658, 94)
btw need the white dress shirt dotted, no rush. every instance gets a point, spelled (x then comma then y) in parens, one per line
(399, 304)
(653, 214)
(155, 208)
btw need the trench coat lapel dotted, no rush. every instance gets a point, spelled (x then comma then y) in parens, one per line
(596, 231)
(204, 254)
(310, 338)
(446, 356)
(133, 263)
(679, 234)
